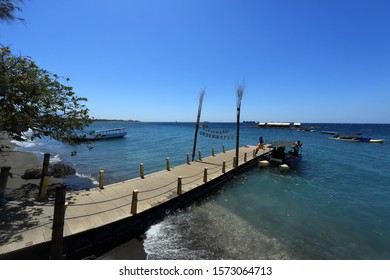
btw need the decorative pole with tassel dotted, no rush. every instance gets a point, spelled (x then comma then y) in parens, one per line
(201, 95)
(240, 93)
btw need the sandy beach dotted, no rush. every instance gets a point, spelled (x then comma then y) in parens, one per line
(17, 187)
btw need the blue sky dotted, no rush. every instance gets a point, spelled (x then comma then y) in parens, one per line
(300, 60)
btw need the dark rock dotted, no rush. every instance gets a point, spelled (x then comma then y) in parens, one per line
(32, 173)
(57, 170)
(60, 170)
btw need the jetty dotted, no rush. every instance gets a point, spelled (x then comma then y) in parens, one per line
(98, 219)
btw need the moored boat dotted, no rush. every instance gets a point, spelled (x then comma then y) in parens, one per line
(355, 137)
(96, 135)
(278, 155)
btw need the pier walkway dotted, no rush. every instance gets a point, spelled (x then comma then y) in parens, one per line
(97, 208)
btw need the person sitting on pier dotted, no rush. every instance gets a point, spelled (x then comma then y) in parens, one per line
(260, 145)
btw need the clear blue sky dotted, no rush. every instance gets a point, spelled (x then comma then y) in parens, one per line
(300, 60)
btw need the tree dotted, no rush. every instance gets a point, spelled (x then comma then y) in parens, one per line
(8, 8)
(33, 98)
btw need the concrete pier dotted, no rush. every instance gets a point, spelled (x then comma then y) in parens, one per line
(100, 218)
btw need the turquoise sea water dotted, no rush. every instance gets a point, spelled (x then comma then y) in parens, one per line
(334, 205)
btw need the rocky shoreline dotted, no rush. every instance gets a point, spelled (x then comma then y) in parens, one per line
(20, 184)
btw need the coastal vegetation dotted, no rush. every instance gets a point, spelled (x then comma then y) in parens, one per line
(8, 9)
(34, 98)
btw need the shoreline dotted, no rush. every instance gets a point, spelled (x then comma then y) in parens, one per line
(18, 188)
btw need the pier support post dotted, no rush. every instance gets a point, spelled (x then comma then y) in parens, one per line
(3, 181)
(134, 202)
(234, 162)
(179, 185)
(213, 151)
(223, 149)
(58, 223)
(188, 159)
(168, 164)
(200, 155)
(205, 175)
(141, 171)
(44, 177)
(245, 159)
(101, 179)
(224, 167)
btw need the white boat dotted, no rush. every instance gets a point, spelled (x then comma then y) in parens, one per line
(95, 135)
(355, 137)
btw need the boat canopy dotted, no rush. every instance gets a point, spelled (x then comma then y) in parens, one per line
(283, 144)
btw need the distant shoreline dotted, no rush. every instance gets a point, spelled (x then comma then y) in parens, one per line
(109, 120)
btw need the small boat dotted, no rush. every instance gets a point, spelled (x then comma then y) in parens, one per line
(355, 137)
(278, 155)
(96, 135)
(328, 132)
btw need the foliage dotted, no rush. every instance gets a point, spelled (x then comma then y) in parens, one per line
(33, 98)
(8, 8)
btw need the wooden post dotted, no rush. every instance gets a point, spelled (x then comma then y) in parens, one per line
(235, 162)
(141, 171)
(134, 202)
(245, 157)
(3, 181)
(188, 159)
(44, 176)
(223, 149)
(254, 153)
(200, 155)
(224, 167)
(205, 175)
(212, 152)
(179, 185)
(101, 179)
(58, 223)
(168, 165)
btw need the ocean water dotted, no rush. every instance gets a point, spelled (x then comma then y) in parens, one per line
(334, 205)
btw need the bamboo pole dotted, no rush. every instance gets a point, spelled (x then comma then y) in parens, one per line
(201, 95)
(240, 93)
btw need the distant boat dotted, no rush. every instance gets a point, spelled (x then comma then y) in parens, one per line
(204, 124)
(328, 132)
(278, 125)
(355, 137)
(96, 135)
